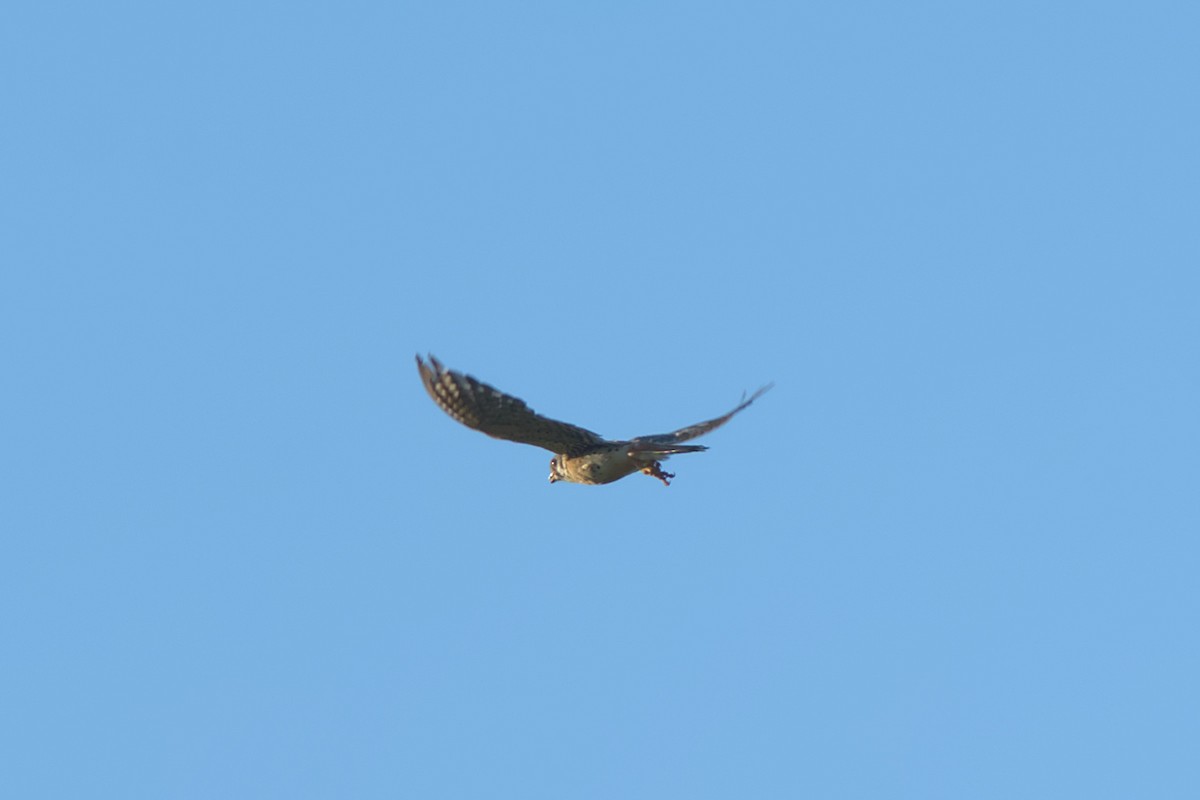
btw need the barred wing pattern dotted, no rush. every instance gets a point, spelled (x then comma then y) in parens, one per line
(699, 429)
(502, 416)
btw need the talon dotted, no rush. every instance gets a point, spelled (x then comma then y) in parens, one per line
(655, 470)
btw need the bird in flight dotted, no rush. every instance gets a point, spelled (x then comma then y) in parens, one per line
(580, 456)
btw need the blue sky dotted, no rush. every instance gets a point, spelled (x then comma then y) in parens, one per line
(952, 554)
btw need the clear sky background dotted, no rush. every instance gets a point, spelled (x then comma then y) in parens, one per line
(954, 552)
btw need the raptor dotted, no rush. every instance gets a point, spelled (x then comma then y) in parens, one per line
(580, 456)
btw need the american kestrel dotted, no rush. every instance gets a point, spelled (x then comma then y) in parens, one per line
(580, 456)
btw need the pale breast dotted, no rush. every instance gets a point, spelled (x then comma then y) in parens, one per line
(603, 467)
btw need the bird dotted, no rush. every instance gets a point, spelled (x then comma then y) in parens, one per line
(580, 456)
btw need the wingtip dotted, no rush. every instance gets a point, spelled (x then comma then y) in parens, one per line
(434, 365)
(759, 392)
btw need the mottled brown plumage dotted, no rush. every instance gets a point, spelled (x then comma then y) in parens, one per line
(581, 456)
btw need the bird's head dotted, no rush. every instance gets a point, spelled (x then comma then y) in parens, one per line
(556, 471)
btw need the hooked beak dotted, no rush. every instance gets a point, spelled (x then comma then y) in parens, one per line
(553, 477)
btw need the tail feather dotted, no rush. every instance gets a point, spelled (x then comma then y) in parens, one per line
(659, 448)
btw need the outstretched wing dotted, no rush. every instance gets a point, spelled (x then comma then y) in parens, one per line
(699, 429)
(487, 409)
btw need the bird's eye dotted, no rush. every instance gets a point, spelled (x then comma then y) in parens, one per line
(553, 463)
